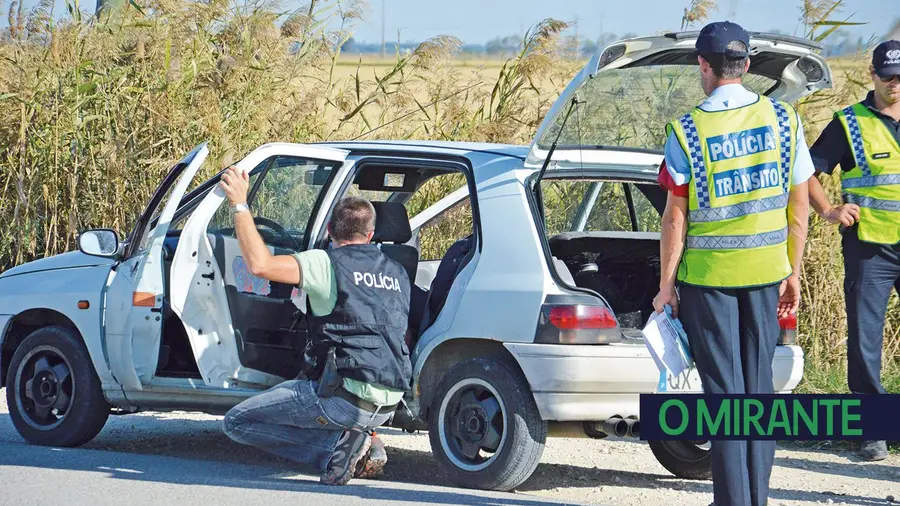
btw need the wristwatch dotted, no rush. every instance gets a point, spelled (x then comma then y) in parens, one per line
(239, 208)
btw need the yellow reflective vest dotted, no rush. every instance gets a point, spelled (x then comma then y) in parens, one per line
(874, 184)
(740, 179)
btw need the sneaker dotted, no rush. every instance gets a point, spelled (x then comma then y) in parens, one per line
(372, 464)
(873, 450)
(352, 446)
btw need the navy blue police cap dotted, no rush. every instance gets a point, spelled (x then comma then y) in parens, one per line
(886, 58)
(715, 37)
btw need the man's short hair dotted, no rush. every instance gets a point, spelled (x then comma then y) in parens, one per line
(724, 67)
(352, 218)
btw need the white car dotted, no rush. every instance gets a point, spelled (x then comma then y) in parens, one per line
(539, 334)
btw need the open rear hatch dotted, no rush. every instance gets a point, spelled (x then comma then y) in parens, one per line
(627, 92)
(609, 124)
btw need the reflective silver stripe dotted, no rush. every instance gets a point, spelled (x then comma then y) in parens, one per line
(737, 210)
(867, 181)
(737, 241)
(873, 203)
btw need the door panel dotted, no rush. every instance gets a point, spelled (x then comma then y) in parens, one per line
(262, 313)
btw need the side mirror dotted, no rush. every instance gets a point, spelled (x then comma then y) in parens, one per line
(100, 242)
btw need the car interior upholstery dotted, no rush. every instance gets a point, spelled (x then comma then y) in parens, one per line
(392, 232)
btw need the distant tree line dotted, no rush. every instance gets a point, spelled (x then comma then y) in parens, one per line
(496, 47)
(840, 43)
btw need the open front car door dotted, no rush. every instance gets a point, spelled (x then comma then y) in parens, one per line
(241, 328)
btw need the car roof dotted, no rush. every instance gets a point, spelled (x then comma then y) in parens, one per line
(454, 147)
(621, 161)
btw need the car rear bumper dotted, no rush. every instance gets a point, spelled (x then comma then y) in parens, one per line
(593, 383)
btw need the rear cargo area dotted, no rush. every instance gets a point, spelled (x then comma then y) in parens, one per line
(623, 267)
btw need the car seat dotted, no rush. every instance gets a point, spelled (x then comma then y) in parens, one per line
(392, 232)
(448, 269)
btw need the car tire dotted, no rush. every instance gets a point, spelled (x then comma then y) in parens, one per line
(52, 391)
(684, 459)
(489, 403)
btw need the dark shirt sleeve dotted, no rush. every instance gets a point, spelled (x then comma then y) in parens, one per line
(832, 149)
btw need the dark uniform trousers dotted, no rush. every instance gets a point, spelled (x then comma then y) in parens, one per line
(870, 272)
(733, 334)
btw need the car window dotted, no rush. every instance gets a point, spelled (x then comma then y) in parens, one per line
(648, 218)
(282, 202)
(610, 210)
(435, 237)
(597, 206)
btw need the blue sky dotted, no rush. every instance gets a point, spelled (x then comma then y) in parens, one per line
(477, 21)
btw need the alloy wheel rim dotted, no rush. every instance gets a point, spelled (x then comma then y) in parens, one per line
(45, 388)
(472, 424)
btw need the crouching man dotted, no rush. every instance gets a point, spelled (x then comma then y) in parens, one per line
(356, 366)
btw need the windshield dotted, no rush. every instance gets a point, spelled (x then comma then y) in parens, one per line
(630, 106)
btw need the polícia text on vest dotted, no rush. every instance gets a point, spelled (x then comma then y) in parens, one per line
(377, 281)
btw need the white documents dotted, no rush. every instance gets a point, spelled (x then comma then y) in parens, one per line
(667, 343)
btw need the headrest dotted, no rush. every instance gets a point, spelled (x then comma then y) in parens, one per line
(391, 223)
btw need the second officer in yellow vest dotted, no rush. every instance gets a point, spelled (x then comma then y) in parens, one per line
(864, 139)
(732, 237)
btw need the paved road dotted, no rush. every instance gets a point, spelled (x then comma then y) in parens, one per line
(161, 459)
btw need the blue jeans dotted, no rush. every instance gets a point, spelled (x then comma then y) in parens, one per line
(289, 420)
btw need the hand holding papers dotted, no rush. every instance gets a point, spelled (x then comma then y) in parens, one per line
(667, 342)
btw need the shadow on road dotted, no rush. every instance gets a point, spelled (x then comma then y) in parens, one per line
(179, 471)
(423, 469)
(130, 448)
(857, 468)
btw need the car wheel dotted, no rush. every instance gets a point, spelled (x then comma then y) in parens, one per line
(484, 426)
(53, 393)
(684, 459)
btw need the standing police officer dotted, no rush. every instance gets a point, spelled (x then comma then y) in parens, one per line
(359, 299)
(736, 167)
(865, 140)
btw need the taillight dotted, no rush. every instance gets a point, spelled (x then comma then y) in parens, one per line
(577, 324)
(582, 317)
(788, 326)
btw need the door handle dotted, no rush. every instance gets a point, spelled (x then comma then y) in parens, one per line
(210, 276)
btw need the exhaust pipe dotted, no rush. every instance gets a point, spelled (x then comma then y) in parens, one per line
(615, 426)
(634, 427)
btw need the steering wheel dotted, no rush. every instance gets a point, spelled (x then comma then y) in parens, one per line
(259, 220)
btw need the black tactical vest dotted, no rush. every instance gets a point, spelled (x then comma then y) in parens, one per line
(367, 326)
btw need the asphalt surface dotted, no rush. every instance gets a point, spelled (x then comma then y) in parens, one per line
(160, 459)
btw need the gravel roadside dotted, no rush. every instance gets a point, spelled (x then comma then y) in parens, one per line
(611, 471)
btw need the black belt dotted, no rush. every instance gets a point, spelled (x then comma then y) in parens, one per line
(362, 403)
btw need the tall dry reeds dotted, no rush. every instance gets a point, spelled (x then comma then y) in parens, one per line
(94, 110)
